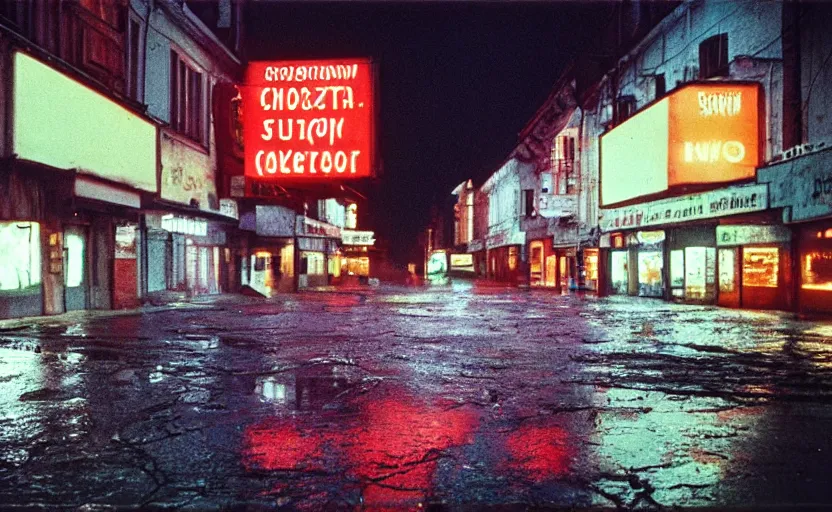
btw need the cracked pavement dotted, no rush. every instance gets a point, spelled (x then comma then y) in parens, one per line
(400, 398)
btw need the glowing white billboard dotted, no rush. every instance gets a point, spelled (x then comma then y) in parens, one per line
(700, 133)
(634, 156)
(64, 124)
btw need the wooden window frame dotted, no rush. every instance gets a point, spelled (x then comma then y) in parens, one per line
(189, 98)
(713, 57)
(134, 56)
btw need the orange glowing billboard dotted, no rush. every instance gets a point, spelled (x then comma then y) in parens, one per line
(309, 120)
(700, 133)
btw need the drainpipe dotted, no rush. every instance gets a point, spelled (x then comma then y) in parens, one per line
(150, 8)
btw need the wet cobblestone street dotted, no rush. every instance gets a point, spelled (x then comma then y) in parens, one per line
(403, 397)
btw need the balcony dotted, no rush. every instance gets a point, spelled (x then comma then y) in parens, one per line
(94, 46)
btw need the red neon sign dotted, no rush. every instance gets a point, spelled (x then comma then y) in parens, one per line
(309, 120)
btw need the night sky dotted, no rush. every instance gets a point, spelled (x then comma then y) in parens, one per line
(458, 81)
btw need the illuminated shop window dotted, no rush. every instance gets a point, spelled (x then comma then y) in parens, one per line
(359, 266)
(512, 258)
(314, 263)
(759, 266)
(287, 260)
(591, 265)
(20, 258)
(334, 265)
(817, 271)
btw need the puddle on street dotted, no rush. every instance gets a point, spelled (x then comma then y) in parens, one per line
(309, 387)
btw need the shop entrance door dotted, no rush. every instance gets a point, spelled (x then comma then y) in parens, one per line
(551, 270)
(619, 274)
(729, 290)
(536, 274)
(650, 265)
(564, 274)
(76, 284)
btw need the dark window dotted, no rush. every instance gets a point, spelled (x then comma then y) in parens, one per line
(16, 13)
(661, 87)
(187, 99)
(133, 60)
(625, 108)
(713, 57)
(528, 202)
(563, 164)
(237, 123)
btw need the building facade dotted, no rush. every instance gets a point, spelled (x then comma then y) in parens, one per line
(690, 114)
(83, 173)
(692, 168)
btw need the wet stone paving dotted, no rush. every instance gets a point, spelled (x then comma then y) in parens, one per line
(404, 398)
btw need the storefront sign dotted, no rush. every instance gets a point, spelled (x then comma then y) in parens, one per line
(803, 186)
(94, 189)
(475, 246)
(743, 235)
(462, 260)
(699, 133)
(309, 120)
(505, 238)
(184, 225)
(228, 207)
(277, 221)
(238, 186)
(707, 205)
(650, 237)
(349, 237)
(311, 227)
(312, 244)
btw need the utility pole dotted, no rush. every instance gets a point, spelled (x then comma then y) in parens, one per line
(428, 249)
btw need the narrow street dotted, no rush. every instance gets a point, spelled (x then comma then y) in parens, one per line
(395, 397)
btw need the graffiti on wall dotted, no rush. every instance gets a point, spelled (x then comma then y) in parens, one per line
(187, 175)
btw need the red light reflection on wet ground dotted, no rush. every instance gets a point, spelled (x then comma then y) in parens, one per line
(540, 452)
(275, 445)
(398, 446)
(393, 448)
